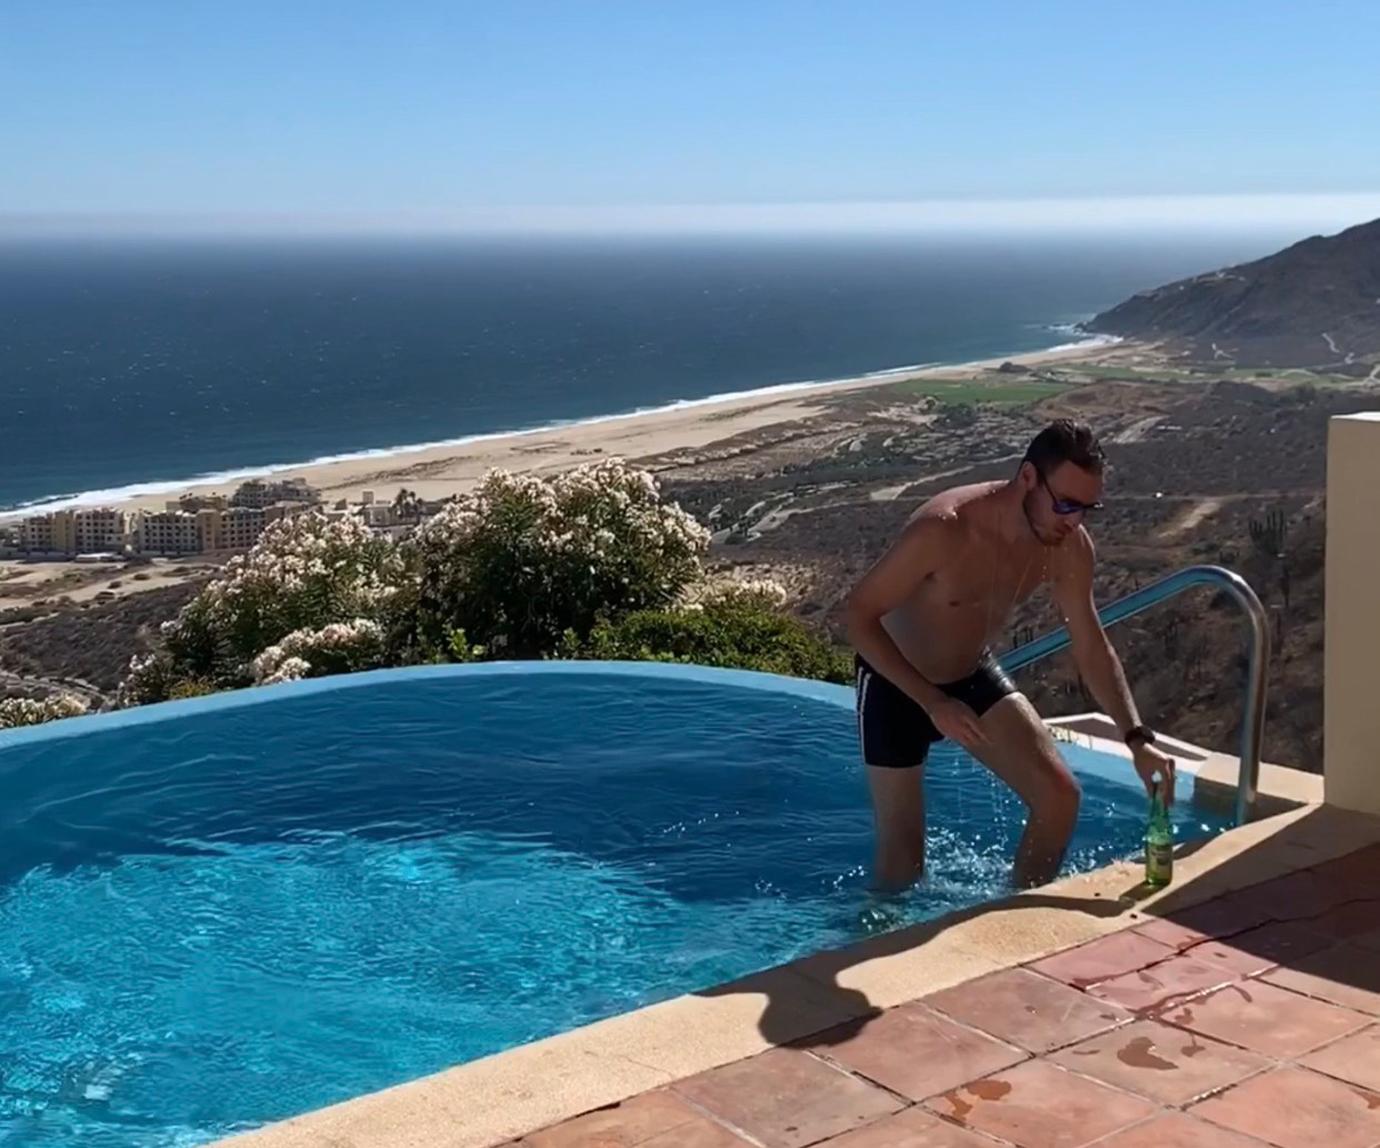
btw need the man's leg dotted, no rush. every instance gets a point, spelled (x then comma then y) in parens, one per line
(898, 807)
(1022, 753)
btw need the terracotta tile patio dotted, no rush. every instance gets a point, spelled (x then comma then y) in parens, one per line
(1249, 1020)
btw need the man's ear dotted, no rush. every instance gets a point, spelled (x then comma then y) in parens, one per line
(1026, 475)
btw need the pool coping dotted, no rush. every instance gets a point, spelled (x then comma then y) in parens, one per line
(828, 693)
(1214, 774)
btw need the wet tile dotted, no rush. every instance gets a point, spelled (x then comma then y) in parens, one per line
(1161, 1062)
(1263, 1018)
(1039, 1105)
(1257, 950)
(1175, 1130)
(785, 1098)
(1103, 959)
(1346, 975)
(913, 1128)
(1295, 1108)
(917, 1052)
(641, 1121)
(1355, 1059)
(1027, 1010)
(1177, 979)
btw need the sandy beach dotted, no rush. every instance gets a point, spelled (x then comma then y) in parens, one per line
(438, 471)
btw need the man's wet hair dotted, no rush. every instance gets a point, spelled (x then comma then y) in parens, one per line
(1066, 441)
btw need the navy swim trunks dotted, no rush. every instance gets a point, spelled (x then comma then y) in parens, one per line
(895, 731)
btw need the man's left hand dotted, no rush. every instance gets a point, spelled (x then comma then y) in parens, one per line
(1155, 768)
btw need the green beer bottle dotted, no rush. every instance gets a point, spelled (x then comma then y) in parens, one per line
(1159, 842)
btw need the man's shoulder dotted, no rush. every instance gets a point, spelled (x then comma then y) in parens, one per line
(940, 516)
(957, 505)
(1075, 554)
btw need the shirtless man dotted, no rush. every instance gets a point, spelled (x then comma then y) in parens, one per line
(922, 621)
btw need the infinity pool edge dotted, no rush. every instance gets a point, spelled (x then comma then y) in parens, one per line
(808, 689)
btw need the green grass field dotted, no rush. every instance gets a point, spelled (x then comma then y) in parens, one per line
(973, 391)
(1136, 374)
(1207, 374)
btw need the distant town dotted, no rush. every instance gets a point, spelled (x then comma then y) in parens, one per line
(212, 524)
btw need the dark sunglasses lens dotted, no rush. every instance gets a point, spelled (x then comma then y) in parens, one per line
(1063, 507)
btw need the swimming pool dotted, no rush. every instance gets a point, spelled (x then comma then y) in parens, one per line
(218, 913)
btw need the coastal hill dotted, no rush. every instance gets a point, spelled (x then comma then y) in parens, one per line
(1315, 304)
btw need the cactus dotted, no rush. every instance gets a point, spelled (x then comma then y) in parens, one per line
(1020, 635)
(1170, 637)
(1268, 536)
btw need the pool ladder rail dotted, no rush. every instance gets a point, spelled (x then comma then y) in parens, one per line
(1253, 711)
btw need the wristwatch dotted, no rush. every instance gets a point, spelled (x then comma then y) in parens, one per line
(1140, 733)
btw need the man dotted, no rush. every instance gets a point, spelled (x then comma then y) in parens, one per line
(922, 621)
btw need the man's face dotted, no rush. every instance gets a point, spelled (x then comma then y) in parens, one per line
(1055, 503)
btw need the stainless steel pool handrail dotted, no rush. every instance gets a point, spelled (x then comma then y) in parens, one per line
(1253, 715)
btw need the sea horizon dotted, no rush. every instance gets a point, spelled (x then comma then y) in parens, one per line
(129, 371)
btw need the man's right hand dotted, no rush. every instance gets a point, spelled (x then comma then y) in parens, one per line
(957, 722)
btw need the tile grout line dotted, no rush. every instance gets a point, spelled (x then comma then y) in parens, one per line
(861, 1077)
(713, 1117)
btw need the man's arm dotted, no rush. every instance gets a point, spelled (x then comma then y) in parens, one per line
(913, 556)
(1094, 654)
(1092, 651)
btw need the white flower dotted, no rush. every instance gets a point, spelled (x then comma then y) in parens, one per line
(28, 711)
(733, 589)
(291, 670)
(360, 640)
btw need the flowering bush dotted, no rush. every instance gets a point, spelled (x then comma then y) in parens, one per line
(589, 563)
(30, 711)
(761, 593)
(521, 559)
(304, 574)
(737, 632)
(336, 648)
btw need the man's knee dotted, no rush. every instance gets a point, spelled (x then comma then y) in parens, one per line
(1059, 795)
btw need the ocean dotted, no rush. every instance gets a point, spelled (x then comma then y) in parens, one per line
(128, 367)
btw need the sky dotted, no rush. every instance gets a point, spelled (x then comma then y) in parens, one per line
(726, 113)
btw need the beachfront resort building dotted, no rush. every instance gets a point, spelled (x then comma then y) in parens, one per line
(194, 502)
(206, 524)
(209, 530)
(193, 524)
(167, 532)
(257, 494)
(70, 532)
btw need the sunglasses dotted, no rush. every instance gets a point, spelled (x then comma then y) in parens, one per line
(1065, 506)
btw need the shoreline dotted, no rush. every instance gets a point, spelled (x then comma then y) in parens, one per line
(437, 469)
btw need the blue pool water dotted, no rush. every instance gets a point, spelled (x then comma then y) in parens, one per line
(251, 910)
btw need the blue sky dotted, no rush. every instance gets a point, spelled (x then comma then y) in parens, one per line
(546, 112)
